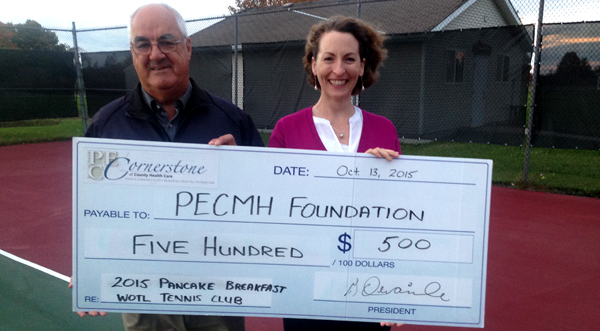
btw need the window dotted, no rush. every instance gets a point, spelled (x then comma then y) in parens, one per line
(502, 67)
(455, 66)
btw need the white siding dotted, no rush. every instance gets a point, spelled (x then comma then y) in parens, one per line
(481, 14)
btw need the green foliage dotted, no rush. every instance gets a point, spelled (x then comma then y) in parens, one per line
(31, 36)
(241, 5)
(6, 32)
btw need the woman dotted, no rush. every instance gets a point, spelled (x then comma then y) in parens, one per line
(341, 58)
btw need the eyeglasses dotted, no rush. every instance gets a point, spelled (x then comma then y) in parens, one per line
(144, 47)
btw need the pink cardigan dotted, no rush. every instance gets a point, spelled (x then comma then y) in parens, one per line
(298, 131)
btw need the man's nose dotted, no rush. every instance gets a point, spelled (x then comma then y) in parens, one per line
(155, 52)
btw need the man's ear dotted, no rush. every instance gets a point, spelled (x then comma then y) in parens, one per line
(188, 45)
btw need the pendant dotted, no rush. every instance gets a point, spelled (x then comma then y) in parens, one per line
(341, 135)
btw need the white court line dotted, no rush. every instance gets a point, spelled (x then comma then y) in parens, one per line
(35, 266)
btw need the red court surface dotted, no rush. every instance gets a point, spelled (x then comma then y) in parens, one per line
(543, 262)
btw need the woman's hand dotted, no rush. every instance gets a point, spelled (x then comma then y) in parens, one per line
(382, 152)
(390, 324)
(83, 313)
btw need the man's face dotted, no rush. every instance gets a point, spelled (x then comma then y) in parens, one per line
(160, 73)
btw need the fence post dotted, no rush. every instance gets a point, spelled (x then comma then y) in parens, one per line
(80, 87)
(236, 60)
(356, 98)
(533, 87)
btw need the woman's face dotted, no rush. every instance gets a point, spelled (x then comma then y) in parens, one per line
(338, 64)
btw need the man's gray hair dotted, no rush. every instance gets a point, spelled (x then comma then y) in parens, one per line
(178, 17)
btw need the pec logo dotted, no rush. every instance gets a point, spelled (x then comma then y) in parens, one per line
(97, 161)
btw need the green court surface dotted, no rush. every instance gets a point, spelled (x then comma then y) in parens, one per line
(34, 300)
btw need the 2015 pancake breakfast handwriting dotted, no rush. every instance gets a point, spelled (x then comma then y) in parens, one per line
(166, 290)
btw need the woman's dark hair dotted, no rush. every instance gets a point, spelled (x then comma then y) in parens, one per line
(370, 48)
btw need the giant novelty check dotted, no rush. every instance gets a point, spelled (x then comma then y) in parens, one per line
(196, 229)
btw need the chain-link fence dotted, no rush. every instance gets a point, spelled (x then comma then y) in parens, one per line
(568, 92)
(457, 70)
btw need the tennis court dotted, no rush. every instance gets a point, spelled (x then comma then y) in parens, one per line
(543, 261)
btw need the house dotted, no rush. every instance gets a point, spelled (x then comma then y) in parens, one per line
(451, 64)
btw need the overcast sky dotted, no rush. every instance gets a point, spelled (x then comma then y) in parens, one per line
(95, 14)
(60, 14)
(107, 13)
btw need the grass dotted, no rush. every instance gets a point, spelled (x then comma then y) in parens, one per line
(566, 171)
(34, 131)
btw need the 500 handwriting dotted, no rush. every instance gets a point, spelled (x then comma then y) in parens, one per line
(426, 246)
(405, 243)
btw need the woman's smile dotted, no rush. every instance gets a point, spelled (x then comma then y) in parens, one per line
(338, 82)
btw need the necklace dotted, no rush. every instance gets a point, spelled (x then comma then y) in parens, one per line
(341, 133)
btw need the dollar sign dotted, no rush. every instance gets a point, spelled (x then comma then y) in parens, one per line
(344, 240)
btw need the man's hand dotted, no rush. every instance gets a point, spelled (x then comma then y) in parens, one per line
(388, 154)
(83, 313)
(226, 139)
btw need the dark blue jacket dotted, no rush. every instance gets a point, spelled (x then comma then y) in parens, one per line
(205, 117)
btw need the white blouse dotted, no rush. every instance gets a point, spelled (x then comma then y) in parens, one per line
(329, 137)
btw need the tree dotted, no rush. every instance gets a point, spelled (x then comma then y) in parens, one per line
(572, 69)
(6, 33)
(33, 36)
(241, 5)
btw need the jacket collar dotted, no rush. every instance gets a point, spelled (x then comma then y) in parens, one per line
(138, 108)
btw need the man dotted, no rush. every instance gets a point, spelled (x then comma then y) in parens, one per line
(168, 106)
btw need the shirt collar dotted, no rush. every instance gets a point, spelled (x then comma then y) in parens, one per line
(183, 99)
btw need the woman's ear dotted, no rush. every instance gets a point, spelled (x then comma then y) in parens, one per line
(362, 67)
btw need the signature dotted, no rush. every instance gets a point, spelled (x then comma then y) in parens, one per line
(372, 287)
